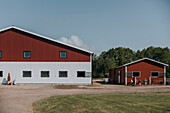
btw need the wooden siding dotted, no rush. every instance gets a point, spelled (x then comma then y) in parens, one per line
(14, 42)
(145, 68)
(114, 73)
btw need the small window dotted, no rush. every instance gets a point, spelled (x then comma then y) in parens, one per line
(136, 74)
(129, 74)
(1, 73)
(62, 73)
(0, 54)
(80, 73)
(154, 74)
(63, 54)
(45, 73)
(27, 54)
(26, 73)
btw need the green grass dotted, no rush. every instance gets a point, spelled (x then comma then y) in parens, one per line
(105, 103)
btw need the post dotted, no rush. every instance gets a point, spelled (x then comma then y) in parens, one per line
(125, 75)
(150, 82)
(119, 78)
(135, 81)
(91, 60)
(164, 75)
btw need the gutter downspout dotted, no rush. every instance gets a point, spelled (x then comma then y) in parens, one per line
(91, 58)
(164, 75)
(125, 75)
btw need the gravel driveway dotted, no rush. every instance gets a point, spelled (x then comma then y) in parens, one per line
(19, 98)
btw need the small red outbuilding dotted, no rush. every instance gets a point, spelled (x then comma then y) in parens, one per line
(144, 71)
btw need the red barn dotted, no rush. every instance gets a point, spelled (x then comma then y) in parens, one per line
(144, 71)
(32, 58)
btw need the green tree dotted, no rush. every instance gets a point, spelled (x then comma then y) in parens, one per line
(118, 56)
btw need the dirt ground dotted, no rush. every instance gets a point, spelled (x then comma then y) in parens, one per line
(19, 98)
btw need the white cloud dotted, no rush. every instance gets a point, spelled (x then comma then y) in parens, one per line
(75, 41)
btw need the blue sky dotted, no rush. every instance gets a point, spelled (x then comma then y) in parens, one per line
(97, 24)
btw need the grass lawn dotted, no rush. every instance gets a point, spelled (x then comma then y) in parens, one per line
(105, 103)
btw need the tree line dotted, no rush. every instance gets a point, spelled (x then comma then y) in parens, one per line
(120, 55)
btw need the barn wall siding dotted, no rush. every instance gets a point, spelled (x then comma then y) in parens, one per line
(145, 68)
(12, 45)
(111, 75)
(16, 71)
(122, 69)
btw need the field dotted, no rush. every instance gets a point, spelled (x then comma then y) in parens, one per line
(105, 103)
(85, 98)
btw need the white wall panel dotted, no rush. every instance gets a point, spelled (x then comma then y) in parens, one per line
(16, 71)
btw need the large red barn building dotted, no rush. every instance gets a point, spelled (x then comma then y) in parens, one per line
(33, 58)
(144, 71)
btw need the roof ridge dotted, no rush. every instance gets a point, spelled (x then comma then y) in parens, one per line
(141, 60)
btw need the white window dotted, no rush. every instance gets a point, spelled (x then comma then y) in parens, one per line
(129, 74)
(0, 54)
(62, 73)
(88, 74)
(136, 74)
(80, 73)
(27, 54)
(63, 54)
(45, 73)
(154, 74)
(1, 73)
(26, 73)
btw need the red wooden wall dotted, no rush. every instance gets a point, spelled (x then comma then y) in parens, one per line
(145, 68)
(115, 72)
(111, 75)
(13, 42)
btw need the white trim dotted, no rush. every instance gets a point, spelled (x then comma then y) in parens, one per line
(91, 61)
(135, 81)
(125, 75)
(150, 80)
(145, 59)
(164, 75)
(46, 38)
